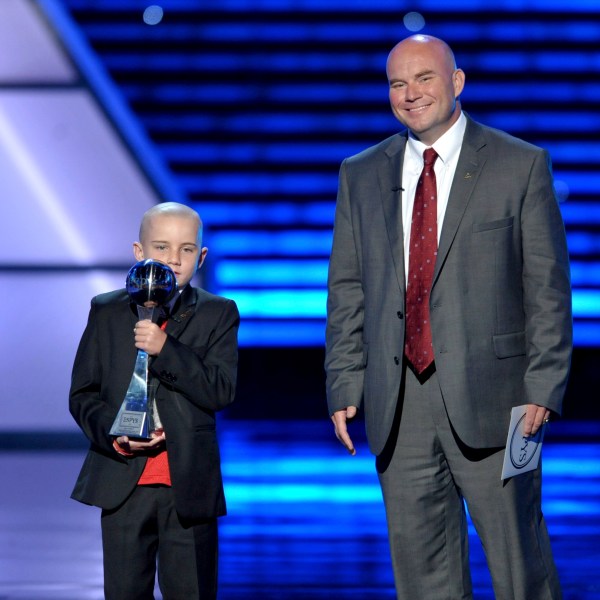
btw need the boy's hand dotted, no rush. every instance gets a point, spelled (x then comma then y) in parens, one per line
(129, 446)
(149, 337)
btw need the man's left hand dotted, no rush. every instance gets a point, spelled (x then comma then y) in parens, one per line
(535, 417)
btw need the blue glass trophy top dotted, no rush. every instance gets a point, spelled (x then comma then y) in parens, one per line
(151, 281)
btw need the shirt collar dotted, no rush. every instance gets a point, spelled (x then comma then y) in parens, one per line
(447, 147)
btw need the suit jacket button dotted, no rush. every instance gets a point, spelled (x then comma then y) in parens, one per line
(399, 314)
(396, 360)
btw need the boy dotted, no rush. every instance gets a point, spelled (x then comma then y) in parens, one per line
(159, 498)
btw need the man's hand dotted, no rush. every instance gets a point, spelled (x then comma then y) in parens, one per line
(149, 337)
(535, 417)
(129, 446)
(340, 418)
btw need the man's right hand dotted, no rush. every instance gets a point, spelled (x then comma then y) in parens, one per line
(340, 419)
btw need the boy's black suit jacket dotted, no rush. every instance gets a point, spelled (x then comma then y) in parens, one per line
(196, 370)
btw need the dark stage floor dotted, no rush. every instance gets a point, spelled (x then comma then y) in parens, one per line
(306, 520)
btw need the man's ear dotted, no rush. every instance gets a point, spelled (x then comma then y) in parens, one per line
(138, 251)
(458, 82)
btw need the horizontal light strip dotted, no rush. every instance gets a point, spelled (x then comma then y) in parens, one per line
(325, 93)
(313, 273)
(282, 304)
(317, 62)
(306, 183)
(311, 304)
(312, 333)
(256, 493)
(275, 213)
(271, 152)
(585, 274)
(263, 243)
(581, 213)
(252, 273)
(452, 30)
(315, 243)
(544, 121)
(244, 469)
(586, 334)
(275, 123)
(583, 243)
(302, 61)
(532, 61)
(322, 213)
(322, 184)
(382, 122)
(300, 469)
(586, 303)
(281, 333)
(573, 152)
(325, 152)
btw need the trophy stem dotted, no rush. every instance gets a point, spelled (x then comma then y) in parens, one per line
(145, 312)
(134, 419)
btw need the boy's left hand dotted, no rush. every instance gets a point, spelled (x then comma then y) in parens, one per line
(130, 446)
(149, 337)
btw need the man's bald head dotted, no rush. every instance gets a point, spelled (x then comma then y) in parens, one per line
(424, 86)
(426, 42)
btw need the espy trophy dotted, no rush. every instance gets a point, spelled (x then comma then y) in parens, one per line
(149, 284)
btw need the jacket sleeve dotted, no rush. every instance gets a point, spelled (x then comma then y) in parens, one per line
(344, 357)
(93, 415)
(546, 290)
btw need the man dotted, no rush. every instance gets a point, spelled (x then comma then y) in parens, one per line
(160, 498)
(483, 325)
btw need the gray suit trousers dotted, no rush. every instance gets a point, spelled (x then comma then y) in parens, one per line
(427, 474)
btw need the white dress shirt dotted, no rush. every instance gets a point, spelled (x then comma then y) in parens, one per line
(448, 149)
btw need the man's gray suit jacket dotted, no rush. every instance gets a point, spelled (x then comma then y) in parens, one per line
(500, 301)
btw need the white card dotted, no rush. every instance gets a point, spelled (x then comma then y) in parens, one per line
(522, 452)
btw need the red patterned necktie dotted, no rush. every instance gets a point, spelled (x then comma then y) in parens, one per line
(421, 262)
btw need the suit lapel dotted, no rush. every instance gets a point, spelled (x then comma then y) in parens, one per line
(184, 310)
(390, 184)
(470, 163)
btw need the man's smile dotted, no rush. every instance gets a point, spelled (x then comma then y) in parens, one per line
(417, 108)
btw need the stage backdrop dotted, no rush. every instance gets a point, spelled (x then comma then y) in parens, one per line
(251, 106)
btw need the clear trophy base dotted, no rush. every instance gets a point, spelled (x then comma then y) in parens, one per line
(132, 423)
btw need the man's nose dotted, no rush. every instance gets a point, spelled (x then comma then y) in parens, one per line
(412, 91)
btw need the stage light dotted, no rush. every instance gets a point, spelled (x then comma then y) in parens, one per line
(153, 14)
(414, 21)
